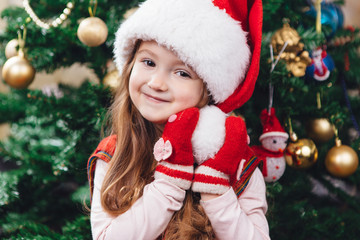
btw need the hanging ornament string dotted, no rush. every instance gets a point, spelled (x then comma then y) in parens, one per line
(318, 31)
(271, 97)
(318, 100)
(92, 11)
(293, 136)
(336, 133)
(58, 21)
(318, 16)
(21, 40)
(273, 64)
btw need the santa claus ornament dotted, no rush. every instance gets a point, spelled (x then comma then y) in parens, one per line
(273, 143)
(321, 65)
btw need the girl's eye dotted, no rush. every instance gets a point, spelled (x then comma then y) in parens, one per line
(183, 74)
(149, 63)
(274, 141)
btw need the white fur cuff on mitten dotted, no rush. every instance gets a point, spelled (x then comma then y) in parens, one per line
(209, 180)
(179, 175)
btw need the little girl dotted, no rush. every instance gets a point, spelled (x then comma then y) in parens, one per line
(175, 165)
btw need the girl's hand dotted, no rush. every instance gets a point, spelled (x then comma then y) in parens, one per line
(215, 175)
(174, 150)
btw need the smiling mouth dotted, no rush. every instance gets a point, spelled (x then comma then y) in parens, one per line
(155, 99)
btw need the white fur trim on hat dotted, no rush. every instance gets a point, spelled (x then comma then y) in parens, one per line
(273, 134)
(209, 134)
(203, 36)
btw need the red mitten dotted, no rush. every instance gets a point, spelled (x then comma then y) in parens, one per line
(216, 174)
(174, 149)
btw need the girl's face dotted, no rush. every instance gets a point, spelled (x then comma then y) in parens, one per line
(161, 84)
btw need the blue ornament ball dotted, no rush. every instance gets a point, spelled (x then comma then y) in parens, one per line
(331, 15)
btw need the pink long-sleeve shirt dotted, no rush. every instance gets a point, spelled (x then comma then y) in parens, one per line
(230, 217)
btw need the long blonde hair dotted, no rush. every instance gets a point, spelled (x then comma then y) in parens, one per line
(132, 166)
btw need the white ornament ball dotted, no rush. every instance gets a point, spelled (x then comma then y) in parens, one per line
(11, 49)
(92, 31)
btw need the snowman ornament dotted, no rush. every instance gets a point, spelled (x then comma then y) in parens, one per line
(273, 143)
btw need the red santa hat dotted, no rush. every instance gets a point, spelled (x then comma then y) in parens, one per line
(219, 39)
(271, 125)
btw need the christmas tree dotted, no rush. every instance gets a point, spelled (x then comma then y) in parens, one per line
(43, 187)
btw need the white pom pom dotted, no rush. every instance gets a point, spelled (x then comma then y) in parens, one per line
(209, 134)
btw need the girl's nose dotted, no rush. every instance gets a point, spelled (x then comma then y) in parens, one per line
(158, 82)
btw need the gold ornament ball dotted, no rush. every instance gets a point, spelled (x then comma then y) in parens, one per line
(285, 34)
(297, 68)
(111, 79)
(92, 31)
(11, 48)
(296, 59)
(18, 72)
(341, 161)
(301, 154)
(320, 130)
